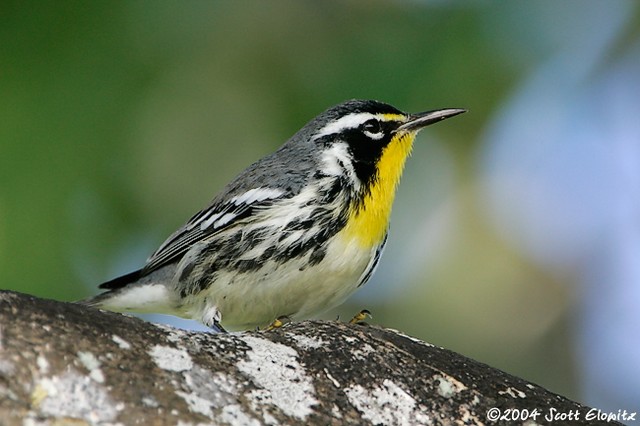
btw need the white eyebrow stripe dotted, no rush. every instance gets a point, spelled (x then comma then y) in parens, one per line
(347, 122)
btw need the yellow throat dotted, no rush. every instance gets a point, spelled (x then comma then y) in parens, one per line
(368, 223)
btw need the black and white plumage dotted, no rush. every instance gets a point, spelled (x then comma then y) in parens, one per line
(294, 234)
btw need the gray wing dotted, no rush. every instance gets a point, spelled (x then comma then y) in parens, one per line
(276, 176)
(219, 215)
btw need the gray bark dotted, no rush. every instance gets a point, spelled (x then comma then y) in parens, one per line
(65, 363)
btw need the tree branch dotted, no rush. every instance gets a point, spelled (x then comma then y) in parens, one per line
(62, 361)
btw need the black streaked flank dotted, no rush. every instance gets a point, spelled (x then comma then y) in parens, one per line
(225, 253)
(374, 263)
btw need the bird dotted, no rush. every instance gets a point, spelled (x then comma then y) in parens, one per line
(293, 235)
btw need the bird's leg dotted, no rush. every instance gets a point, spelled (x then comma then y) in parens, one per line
(212, 318)
(217, 327)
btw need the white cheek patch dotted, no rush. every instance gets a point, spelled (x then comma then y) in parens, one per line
(337, 160)
(350, 121)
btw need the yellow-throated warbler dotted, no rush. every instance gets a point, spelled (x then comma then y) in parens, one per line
(294, 234)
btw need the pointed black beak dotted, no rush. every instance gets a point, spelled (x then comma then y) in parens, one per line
(423, 119)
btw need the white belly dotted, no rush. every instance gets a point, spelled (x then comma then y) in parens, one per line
(255, 298)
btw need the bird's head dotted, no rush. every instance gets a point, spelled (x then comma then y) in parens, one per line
(369, 141)
(366, 143)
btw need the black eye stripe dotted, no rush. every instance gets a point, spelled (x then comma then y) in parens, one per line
(372, 126)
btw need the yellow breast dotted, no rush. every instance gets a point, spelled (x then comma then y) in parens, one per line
(368, 224)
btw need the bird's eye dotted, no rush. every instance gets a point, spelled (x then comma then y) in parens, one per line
(372, 127)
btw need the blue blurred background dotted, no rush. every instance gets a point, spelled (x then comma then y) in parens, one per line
(516, 231)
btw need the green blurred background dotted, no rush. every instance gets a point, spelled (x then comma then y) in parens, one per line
(120, 119)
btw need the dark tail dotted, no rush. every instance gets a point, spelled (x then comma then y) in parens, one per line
(129, 292)
(112, 286)
(122, 281)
